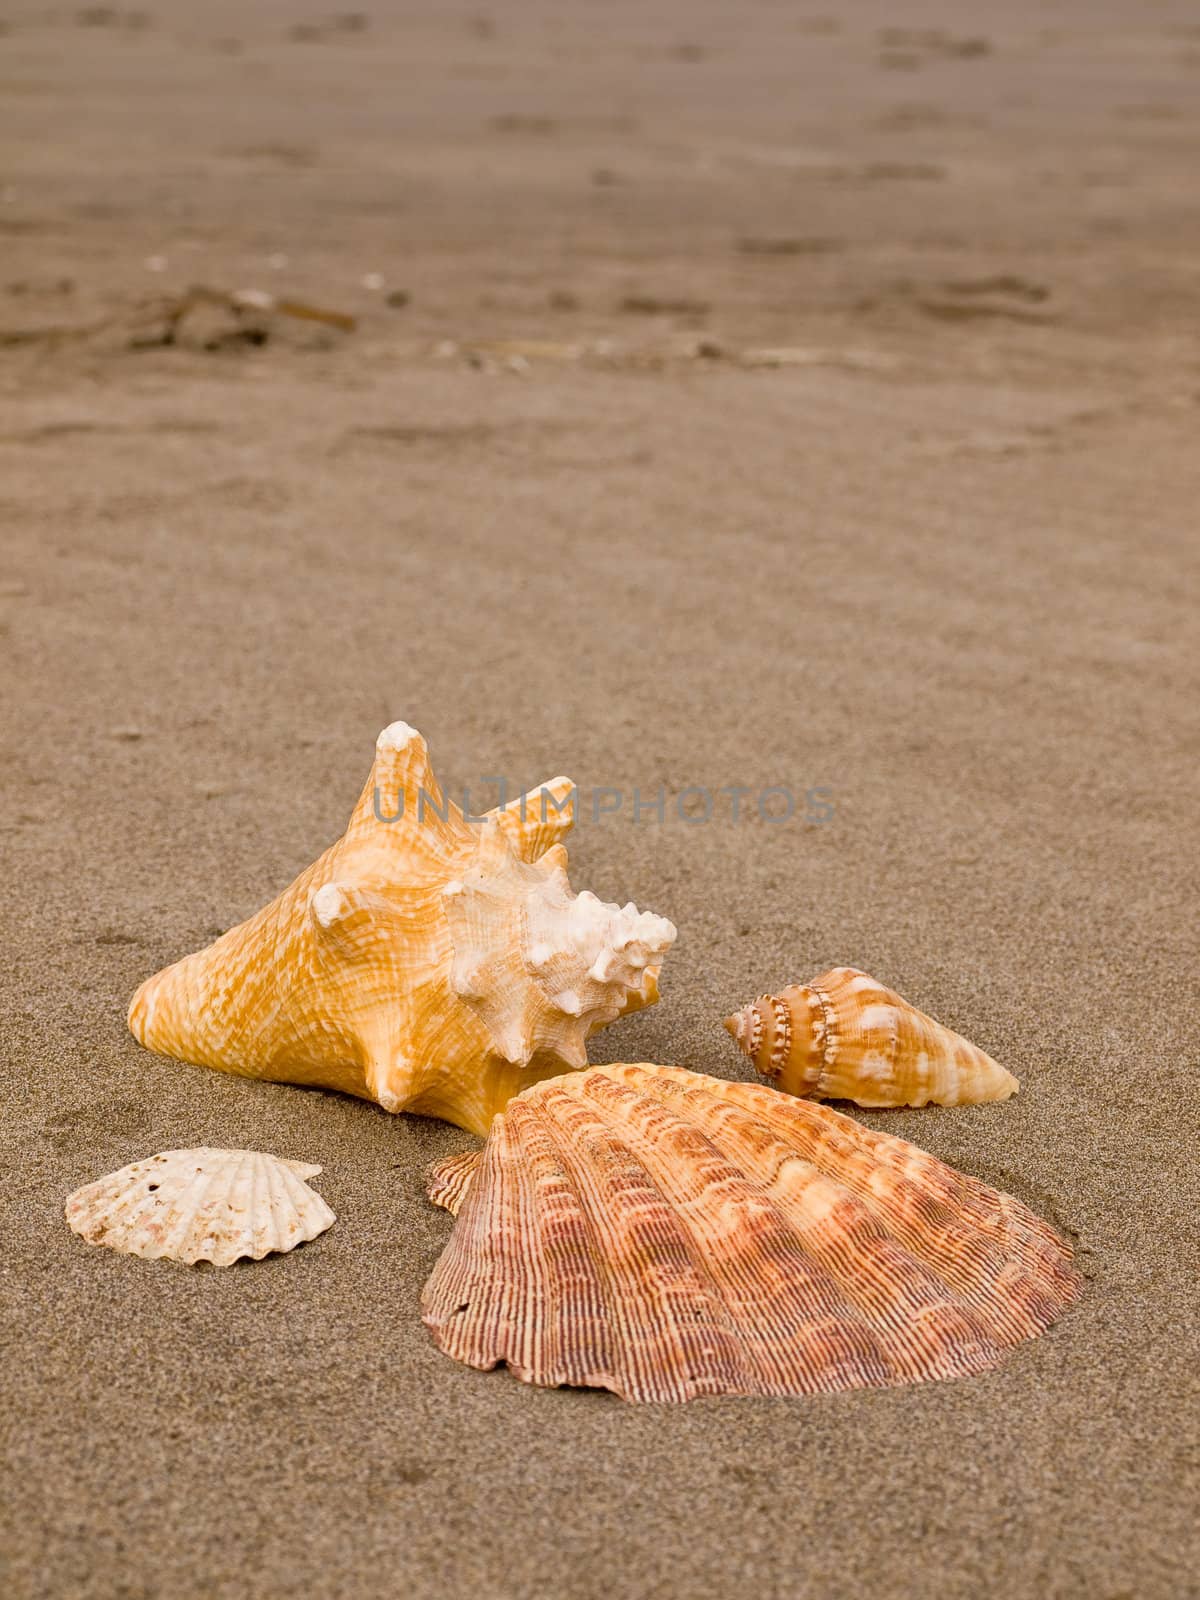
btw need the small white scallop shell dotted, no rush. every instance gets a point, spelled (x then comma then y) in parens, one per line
(202, 1205)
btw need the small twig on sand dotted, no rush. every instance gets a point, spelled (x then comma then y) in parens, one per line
(171, 310)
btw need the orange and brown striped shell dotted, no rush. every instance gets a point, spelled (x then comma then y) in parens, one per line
(846, 1037)
(667, 1235)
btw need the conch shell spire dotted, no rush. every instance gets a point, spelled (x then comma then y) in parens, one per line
(423, 961)
(843, 1036)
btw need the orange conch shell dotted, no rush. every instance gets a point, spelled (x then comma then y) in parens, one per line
(666, 1235)
(845, 1037)
(424, 962)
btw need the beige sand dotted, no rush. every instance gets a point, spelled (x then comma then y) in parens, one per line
(943, 561)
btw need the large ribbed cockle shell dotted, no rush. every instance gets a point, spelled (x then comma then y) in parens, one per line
(667, 1235)
(202, 1205)
(425, 961)
(844, 1036)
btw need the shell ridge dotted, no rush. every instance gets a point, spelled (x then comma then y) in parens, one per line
(675, 1249)
(981, 1234)
(173, 1221)
(966, 1280)
(1014, 1244)
(575, 1150)
(448, 1180)
(853, 1145)
(491, 1233)
(444, 1285)
(804, 1300)
(309, 1206)
(241, 1239)
(199, 1204)
(461, 1276)
(850, 1352)
(843, 1298)
(853, 1350)
(832, 1037)
(485, 1230)
(283, 1229)
(201, 1211)
(736, 1276)
(270, 1187)
(580, 1293)
(121, 1204)
(532, 1337)
(183, 1211)
(691, 1236)
(885, 1284)
(287, 1224)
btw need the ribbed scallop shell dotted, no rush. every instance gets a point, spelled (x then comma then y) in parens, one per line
(202, 1205)
(844, 1036)
(666, 1235)
(450, 1179)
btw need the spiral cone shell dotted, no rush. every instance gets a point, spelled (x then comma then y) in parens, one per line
(844, 1036)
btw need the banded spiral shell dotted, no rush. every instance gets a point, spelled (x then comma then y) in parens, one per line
(844, 1036)
(202, 1205)
(666, 1235)
(426, 962)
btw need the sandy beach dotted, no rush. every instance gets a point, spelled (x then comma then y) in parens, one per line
(698, 397)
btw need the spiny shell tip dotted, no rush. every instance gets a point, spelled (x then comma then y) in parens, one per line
(328, 904)
(396, 736)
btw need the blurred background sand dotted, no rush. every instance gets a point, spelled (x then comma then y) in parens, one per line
(745, 395)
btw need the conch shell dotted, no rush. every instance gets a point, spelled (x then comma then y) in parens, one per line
(423, 962)
(202, 1205)
(845, 1037)
(666, 1235)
